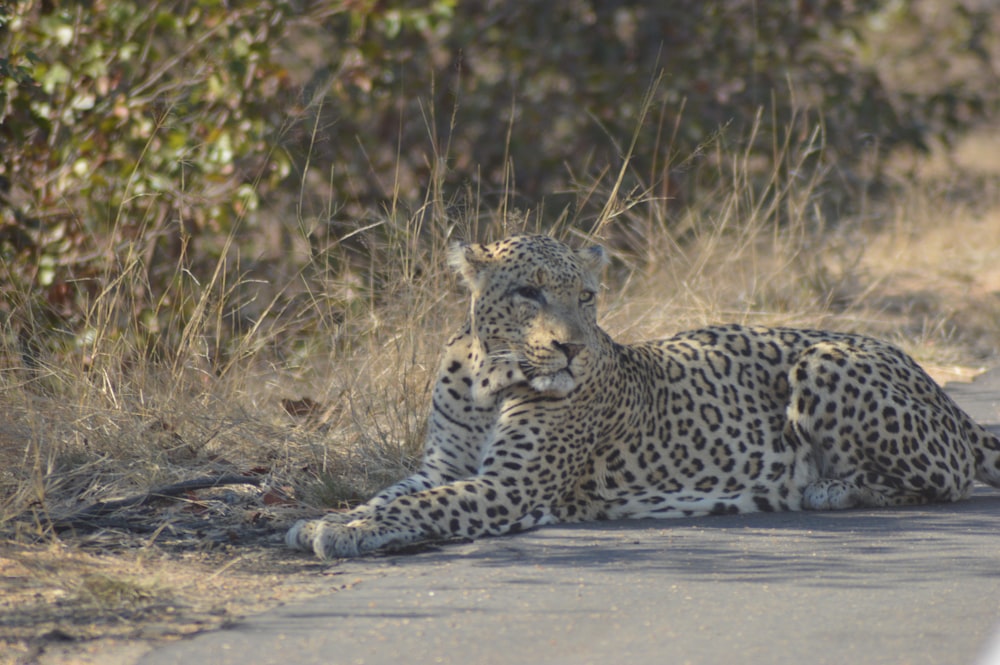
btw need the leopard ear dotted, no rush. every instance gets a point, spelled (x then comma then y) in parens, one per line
(469, 261)
(594, 259)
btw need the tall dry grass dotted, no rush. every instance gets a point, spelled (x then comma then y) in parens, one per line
(324, 388)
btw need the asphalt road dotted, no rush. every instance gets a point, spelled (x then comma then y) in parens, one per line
(919, 585)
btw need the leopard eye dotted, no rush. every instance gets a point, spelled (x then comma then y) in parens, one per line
(529, 292)
(587, 297)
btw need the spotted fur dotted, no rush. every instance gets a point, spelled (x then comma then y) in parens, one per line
(538, 417)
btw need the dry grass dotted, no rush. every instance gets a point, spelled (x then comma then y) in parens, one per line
(926, 278)
(920, 268)
(325, 394)
(67, 603)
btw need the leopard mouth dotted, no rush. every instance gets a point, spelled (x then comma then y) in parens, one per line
(532, 371)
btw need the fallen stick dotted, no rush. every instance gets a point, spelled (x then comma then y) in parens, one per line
(101, 508)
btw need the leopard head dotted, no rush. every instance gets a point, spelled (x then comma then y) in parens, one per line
(534, 309)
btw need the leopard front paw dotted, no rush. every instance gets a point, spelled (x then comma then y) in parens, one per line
(329, 539)
(830, 494)
(303, 533)
(300, 536)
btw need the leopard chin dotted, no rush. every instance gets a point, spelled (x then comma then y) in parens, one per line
(559, 383)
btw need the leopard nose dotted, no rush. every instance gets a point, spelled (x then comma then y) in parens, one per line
(570, 350)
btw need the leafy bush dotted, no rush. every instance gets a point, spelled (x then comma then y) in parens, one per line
(131, 131)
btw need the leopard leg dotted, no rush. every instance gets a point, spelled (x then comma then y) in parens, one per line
(881, 432)
(526, 471)
(469, 508)
(457, 433)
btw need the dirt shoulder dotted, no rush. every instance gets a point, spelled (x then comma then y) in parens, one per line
(109, 597)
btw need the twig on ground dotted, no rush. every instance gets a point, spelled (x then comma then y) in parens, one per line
(88, 517)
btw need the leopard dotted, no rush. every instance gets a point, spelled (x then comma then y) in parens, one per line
(537, 417)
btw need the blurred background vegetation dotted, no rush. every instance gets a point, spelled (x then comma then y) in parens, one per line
(155, 139)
